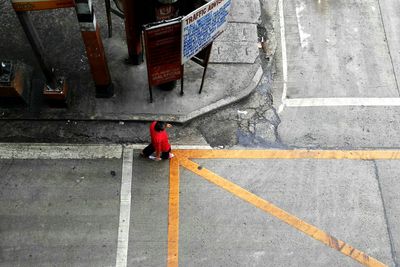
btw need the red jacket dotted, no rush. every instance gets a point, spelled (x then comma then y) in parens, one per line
(159, 140)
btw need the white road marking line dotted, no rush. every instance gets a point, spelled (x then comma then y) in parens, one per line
(72, 151)
(341, 101)
(284, 55)
(58, 151)
(125, 209)
(302, 34)
(141, 146)
(190, 147)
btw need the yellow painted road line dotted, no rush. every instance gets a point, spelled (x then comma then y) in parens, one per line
(290, 154)
(173, 213)
(282, 215)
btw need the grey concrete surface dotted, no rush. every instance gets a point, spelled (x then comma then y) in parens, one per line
(337, 50)
(391, 23)
(224, 84)
(234, 77)
(65, 212)
(245, 11)
(92, 132)
(59, 212)
(343, 127)
(388, 177)
(238, 44)
(340, 197)
(149, 213)
(352, 50)
(363, 33)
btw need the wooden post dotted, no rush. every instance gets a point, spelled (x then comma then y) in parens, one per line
(94, 48)
(133, 32)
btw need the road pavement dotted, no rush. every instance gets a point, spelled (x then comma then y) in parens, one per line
(337, 73)
(336, 88)
(106, 206)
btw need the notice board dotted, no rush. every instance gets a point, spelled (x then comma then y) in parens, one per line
(202, 26)
(163, 52)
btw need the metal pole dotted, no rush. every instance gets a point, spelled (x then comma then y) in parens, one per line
(206, 60)
(37, 47)
(109, 21)
(182, 78)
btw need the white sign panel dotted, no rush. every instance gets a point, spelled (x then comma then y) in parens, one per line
(202, 26)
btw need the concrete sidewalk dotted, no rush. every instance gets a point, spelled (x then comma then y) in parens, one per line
(84, 199)
(233, 73)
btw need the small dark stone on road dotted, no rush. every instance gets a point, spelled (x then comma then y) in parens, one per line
(112, 173)
(200, 167)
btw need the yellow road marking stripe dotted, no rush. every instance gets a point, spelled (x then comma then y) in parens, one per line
(290, 154)
(173, 213)
(282, 215)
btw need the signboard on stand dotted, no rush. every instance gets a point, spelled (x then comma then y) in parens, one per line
(202, 26)
(169, 44)
(163, 52)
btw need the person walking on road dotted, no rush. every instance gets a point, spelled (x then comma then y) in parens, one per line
(159, 142)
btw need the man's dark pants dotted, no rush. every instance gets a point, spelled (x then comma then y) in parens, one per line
(148, 150)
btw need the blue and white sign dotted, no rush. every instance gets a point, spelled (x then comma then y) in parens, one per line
(202, 26)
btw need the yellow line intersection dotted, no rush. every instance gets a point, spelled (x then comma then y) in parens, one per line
(183, 159)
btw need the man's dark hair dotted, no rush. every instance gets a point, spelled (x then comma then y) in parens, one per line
(160, 126)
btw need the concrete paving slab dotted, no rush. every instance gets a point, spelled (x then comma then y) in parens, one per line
(59, 212)
(343, 42)
(245, 11)
(234, 52)
(239, 32)
(340, 127)
(388, 173)
(149, 213)
(339, 197)
(237, 44)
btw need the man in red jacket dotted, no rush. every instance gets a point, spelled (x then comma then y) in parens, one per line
(159, 142)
